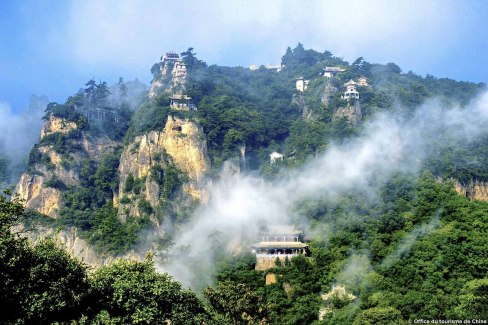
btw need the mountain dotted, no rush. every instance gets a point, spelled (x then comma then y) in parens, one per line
(120, 174)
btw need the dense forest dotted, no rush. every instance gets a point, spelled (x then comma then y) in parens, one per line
(418, 250)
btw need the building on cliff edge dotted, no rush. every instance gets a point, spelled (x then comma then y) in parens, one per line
(278, 242)
(301, 84)
(351, 91)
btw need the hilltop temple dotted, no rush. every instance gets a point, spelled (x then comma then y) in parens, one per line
(278, 242)
(330, 72)
(170, 57)
(181, 102)
(351, 91)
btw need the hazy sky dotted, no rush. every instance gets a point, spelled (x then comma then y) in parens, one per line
(53, 47)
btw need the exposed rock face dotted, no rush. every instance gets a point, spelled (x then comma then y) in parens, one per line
(183, 142)
(56, 124)
(304, 109)
(69, 240)
(37, 196)
(98, 146)
(337, 291)
(351, 112)
(329, 89)
(473, 191)
(32, 185)
(171, 80)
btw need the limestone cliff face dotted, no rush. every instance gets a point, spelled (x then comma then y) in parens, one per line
(184, 141)
(37, 196)
(96, 147)
(181, 142)
(56, 124)
(352, 112)
(171, 80)
(306, 113)
(473, 191)
(329, 89)
(33, 184)
(68, 239)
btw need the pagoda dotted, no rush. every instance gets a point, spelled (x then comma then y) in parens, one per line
(351, 91)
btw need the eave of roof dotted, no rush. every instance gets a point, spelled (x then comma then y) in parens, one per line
(280, 245)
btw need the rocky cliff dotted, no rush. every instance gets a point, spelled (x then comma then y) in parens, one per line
(56, 124)
(329, 90)
(172, 79)
(182, 144)
(473, 191)
(40, 186)
(352, 112)
(67, 238)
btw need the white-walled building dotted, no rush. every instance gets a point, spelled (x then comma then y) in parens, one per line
(363, 81)
(301, 84)
(275, 156)
(351, 91)
(329, 72)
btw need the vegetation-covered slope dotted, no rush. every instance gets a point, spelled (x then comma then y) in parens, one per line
(418, 251)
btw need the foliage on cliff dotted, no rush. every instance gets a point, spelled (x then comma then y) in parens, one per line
(419, 253)
(42, 284)
(261, 111)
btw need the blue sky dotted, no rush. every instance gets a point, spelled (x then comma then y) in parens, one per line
(53, 47)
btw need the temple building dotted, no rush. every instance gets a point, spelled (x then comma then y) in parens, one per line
(179, 69)
(363, 81)
(351, 91)
(275, 67)
(301, 84)
(170, 57)
(275, 156)
(330, 72)
(181, 103)
(278, 242)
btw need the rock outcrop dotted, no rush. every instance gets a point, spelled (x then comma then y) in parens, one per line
(37, 196)
(329, 90)
(473, 191)
(172, 79)
(68, 239)
(352, 112)
(305, 111)
(182, 143)
(35, 186)
(56, 124)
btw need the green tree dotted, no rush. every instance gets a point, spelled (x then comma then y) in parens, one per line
(129, 292)
(191, 61)
(379, 316)
(41, 284)
(237, 302)
(473, 301)
(90, 90)
(101, 94)
(123, 90)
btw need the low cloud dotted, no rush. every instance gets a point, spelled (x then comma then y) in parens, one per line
(19, 131)
(389, 144)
